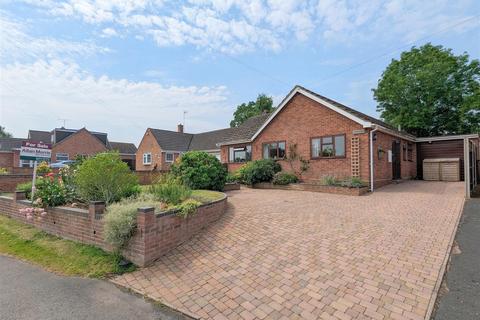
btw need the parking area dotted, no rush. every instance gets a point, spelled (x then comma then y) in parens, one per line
(299, 255)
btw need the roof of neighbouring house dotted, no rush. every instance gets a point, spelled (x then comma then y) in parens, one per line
(179, 141)
(7, 144)
(123, 147)
(37, 135)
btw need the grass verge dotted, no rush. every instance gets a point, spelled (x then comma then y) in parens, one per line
(56, 254)
(205, 196)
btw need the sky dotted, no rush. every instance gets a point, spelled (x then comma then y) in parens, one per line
(122, 66)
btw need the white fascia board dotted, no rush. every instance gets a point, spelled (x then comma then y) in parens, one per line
(365, 124)
(396, 134)
(444, 138)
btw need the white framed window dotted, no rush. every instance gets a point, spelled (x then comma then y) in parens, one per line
(62, 156)
(169, 157)
(240, 154)
(26, 163)
(147, 158)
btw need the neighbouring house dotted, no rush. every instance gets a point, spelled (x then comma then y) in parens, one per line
(336, 140)
(66, 145)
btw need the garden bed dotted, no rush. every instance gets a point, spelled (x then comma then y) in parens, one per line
(231, 186)
(314, 188)
(156, 233)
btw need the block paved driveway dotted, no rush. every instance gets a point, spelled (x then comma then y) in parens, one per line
(299, 255)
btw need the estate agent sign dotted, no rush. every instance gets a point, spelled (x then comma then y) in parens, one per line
(36, 151)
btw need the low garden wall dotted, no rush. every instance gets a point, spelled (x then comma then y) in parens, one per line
(156, 232)
(313, 188)
(9, 182)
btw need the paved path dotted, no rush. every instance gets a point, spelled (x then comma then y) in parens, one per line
(300, 255)
(30, 293)
(462, 301)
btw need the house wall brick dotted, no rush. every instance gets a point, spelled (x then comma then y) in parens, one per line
(6, 160)
(148, 144)
(80, 143)
(383, 172)
(9, 182)
(303, 119)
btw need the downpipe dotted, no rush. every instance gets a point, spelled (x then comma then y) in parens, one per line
(371, 158)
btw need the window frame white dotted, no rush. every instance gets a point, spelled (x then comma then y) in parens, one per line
(168, 154)
(147, 155)
(60, 156)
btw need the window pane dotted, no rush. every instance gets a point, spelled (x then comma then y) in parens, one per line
(327, 150)
(326, 140)
(315, 147)
(272, 151)
(265, 151)
(249, 153)
(281, 149)
(340, 146)
(240, 155)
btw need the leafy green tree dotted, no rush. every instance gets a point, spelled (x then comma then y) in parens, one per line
(430, 91)
(4, 134)
(253, 108)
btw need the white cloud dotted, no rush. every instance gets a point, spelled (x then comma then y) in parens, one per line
(108, 33)
(17, 45)
(238, 26)
(34, 96)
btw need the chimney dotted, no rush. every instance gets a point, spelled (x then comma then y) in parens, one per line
(180, 128)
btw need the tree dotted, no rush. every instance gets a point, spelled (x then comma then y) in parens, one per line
(253, 108)
(430, 91)
(4, 134)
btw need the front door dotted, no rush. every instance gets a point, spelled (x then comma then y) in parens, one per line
(396, 158)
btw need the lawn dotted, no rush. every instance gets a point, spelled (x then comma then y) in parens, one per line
(204, 196)
(55, 254)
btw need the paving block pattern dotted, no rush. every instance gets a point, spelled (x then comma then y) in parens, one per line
(298, 255)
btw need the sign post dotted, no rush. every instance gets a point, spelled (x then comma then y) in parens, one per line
(36, 151)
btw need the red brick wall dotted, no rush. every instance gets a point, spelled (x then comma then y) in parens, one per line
(6, 160)
(383, 169)
(303, 119)
(9, 182)
(156, 234)
(148, 144)
(81, 142)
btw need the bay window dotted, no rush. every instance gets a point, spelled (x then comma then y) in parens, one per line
(328, 146)
(274, 150)
(240, 154)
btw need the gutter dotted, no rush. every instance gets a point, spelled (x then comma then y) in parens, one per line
(371, 159)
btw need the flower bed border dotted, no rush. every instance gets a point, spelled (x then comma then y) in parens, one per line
(156, 233)
(231, 186)
(313, 188)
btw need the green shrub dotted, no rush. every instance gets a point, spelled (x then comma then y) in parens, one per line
(25, 187)
(200, 170)
(232, 177)
(259, 171)
(50, 191)
(330, 181)
(43, 168)
(352, 182)
(170, 190)
(284, 178)
(188, 207)
(105, 177)
(121, 219)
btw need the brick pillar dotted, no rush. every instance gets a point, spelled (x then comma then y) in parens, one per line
(146, 229)
(19, 195)
(96, 209)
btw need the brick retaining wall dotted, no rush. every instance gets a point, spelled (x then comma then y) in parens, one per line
(313, 188)
(156, 234)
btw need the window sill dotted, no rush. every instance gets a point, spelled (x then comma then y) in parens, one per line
(328, 158)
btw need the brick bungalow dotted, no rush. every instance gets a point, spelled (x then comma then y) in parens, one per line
(66, 145)
(337, 140)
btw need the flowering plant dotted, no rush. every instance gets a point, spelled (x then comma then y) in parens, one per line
(32, 212)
